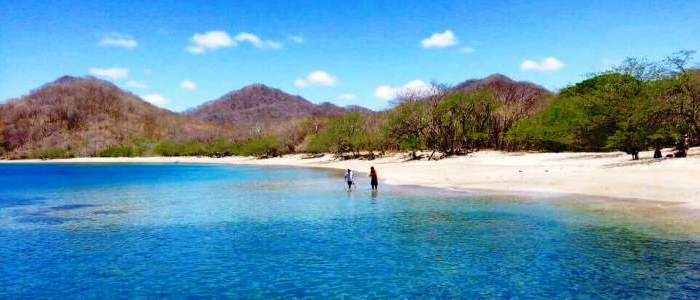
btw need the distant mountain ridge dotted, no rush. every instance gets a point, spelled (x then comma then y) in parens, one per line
(260, 105)
(86, 115)
(508, 89)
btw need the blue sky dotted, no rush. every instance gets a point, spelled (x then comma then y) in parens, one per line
(181, 53)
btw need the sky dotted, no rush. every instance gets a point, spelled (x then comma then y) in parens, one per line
(179, 54)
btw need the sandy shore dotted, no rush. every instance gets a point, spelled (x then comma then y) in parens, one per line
(594, 174)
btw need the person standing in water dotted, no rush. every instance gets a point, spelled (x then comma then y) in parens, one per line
(348, 179)
(374, 182)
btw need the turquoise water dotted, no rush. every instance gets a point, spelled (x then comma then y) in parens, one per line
(183, 231)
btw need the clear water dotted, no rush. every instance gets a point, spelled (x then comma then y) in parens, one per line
(106, 231)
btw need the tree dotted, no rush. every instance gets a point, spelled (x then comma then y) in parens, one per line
(630, 108)
(342, 134)
(464, 120)
(683, 91)
(585, 116)
(406, 126)
(553, 129)
(376, 138)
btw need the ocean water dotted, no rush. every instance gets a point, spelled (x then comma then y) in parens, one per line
(190, 231)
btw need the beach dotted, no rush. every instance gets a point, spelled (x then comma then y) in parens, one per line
(607, 175)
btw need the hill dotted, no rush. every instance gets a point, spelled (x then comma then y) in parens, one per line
(518, 99)
(86, 116)
(522, 93)
(259, 107)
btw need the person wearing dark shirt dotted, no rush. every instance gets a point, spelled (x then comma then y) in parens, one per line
(374, 181)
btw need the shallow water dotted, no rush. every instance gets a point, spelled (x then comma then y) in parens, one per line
(135, 230)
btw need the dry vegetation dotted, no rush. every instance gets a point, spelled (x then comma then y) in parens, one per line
(634, 107)
(259, 110)
(89, 117)
(86, 116)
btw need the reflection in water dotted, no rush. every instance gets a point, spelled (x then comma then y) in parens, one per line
(71, 206)
(8, 201)
(109, 212)
(149, 231)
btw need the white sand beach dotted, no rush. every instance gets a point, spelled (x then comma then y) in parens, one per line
(594, 174)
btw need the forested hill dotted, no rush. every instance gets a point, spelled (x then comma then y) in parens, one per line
(85, 116)
(75, 116)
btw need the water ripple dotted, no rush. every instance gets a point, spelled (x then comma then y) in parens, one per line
(214, 232)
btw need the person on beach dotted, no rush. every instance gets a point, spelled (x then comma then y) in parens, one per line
(348, 179)
(635, 153)
(682, 147)
(374, 182)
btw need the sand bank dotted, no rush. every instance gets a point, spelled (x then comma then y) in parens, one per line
(595, 174)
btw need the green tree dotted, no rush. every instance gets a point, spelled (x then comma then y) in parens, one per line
(463, 120)
(585, 116)
(683, 92)
(406, 127)
(344, 134)
(553, 129)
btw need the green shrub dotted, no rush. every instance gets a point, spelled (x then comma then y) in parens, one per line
(52, 153)
(217, 148)
(167, 148)
(192, 148)
(121, 151)
(221, 148)
(319, 143)
(266, 146)
(347, 133)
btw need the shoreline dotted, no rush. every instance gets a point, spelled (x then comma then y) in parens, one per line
(550, 175)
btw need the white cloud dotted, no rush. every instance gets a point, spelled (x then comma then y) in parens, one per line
(156, 99)
(136, 84)
(255, 41)
(211, 40)
(440, 40)
(110, 73)
(346, 97)
(416, 87)
(188, 85)
(549, 64)
(118, 40)
(466, 49)
(273, 45)
(316, 78)
(300, 83)
(385, 92)
(298, 39)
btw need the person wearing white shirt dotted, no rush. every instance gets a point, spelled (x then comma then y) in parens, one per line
(349, 179)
